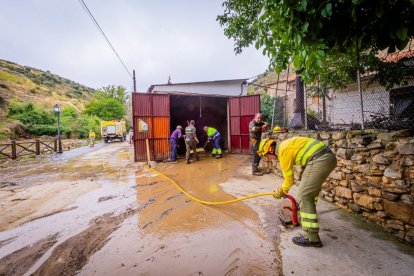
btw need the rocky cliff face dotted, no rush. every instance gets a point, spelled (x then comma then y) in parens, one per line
(374, 176)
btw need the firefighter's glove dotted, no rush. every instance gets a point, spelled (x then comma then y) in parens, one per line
(278, 193)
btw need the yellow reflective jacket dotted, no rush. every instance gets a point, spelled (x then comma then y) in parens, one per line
(295, 151)
(91, 134)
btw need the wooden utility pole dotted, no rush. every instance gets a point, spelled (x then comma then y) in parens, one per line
(135, 81)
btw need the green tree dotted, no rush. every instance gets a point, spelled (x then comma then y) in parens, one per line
(266, 106)
(317, 34)
(116, 92)
(106, 108)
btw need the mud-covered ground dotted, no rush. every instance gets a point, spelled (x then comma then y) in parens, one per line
(96, 212)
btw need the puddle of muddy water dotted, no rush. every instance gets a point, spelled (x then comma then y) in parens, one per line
(72, 222)
(225, 250)
(169, 233)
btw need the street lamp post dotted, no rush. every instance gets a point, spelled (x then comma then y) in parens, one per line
(56, 108)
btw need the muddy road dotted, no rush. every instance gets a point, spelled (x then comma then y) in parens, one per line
(96, 212)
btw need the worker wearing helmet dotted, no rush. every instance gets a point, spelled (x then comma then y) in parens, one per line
(319, 162)
(214, 136)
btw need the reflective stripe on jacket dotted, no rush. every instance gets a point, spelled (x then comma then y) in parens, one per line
(295, 151)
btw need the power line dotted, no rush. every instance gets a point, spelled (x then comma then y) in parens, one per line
(103, 34)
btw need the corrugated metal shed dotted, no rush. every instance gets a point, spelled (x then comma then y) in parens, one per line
(216, 103)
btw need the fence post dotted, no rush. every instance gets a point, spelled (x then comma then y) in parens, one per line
(37, 147)
(13, 150)
(55, 145)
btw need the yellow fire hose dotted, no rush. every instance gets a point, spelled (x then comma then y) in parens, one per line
(202, 201)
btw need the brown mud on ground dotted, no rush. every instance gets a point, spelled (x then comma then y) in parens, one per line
(176, 236)
(18, 262)
(99, 213)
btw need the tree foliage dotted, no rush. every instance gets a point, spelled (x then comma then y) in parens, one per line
(320, 36)
(116, 92)
(106, 108)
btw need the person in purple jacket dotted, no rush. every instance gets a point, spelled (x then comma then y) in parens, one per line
(175, 135)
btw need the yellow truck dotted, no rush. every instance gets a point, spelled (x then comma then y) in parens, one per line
(111, 130)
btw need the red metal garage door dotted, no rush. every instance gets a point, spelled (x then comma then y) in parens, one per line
(241, 111)
(154, 110)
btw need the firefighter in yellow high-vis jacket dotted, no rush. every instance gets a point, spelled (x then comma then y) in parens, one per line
(319, 162)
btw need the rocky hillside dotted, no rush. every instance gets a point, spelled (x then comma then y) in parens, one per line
(26, 84)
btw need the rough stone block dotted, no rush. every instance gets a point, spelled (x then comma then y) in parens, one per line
(336, 175)
(350, 176)
(345, 170)
(395, 224)
(381, 159)
(343, 192)
(329, 199)
(346, 162)
(381, 214)
(393, 172)
(374, 192)
(386, 180)
(408, 160)
(374, 170)
(375, 145)
(344, 153)
(409, 236)
(378, 206)
(325, 135)
(354, 207)
(408, 199)
(358, 158)
(364, 201)
(356, 187)
(343, 183)
(390, 196)
(363, 168)
(395, 190)
(407, 148)
(374, 180)
(399, 211)
(390, 154)
(338, 135)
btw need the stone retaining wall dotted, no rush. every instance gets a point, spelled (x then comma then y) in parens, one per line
(374, 176)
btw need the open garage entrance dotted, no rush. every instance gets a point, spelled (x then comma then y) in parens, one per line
(155, 116)
(205, 111)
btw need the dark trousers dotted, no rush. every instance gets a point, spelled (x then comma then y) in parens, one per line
(256, 156)
(173, 147)
(190, 145)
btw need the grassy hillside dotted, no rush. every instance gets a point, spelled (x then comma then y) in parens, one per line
(26, 84)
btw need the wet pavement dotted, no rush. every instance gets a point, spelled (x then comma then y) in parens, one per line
(96, 212)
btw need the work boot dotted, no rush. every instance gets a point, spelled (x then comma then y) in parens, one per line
(302, 241)
(213, 155)
(198, 158)
(188, 162)
(218, 156)
(257, 173)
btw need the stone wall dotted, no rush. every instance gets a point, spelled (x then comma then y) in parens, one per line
(374, 176)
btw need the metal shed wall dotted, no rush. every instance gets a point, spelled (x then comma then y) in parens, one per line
(155, 111)
(241, 111)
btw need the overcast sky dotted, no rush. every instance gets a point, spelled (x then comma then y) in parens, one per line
(157, 38)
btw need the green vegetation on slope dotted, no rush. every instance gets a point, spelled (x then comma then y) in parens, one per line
(27, 96)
